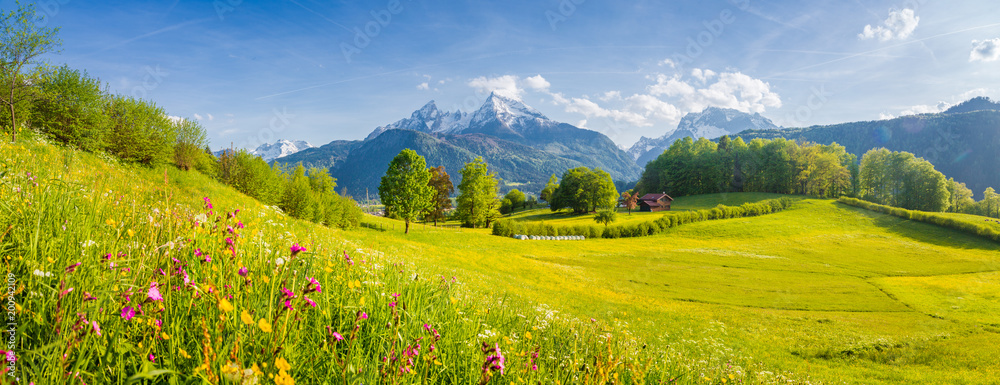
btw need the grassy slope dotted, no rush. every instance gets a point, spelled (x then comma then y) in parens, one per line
(824, 290)
(818, 289)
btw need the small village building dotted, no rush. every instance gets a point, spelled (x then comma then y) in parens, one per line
(655, 202)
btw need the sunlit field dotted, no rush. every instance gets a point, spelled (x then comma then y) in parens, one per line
(819, 293)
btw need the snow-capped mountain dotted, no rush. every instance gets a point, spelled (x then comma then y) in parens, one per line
(279, 149)
(498, 116)
(428, 119)
(711, 123)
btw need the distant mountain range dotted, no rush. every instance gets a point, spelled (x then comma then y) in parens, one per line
(711, 123)
(522, 145)
(279, 149)
(961, 142)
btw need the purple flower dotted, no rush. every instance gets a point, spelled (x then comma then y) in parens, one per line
(229, 241)
(288, 293)
(152, 357)
(127, 313)
(297, 249)
(362, 315)
(243, 271)
(88, 297)
(395, 295)
(337, 336)
(288, 305)
(239, 225)
(10, 356)
(197, 252)
(310, 302)
(72, 268)
(96, 327)
(392, 304)
(313, 286)
(208, 203)
(348, 258)
(154, 292)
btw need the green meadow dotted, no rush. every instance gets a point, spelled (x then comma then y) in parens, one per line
(819, 293)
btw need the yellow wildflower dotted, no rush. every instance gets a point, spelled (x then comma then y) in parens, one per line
(264, 325)
(266, 279)
(165, 336)
(527, 335)
(131, 233)
(224, 305)
(184, 353)
(282, 364)
(246, 318)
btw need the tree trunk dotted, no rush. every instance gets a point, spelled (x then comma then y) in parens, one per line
(407, 231)
(13, 121)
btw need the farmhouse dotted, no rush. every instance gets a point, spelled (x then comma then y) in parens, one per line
(655, 202)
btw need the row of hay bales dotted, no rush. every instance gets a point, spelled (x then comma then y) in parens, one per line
(549, 238)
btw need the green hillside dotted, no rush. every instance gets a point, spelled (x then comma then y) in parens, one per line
(822, 293)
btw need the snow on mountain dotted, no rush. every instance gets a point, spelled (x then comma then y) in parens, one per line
(497, 112)
(508, 112)
(280, 148)
(711, 123)
(427, 119)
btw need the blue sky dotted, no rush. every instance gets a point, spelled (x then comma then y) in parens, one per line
(254, 71)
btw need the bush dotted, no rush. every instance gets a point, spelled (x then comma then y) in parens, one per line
(139, 131)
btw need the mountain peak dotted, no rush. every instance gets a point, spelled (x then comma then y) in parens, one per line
(505, 110)
(280, 148)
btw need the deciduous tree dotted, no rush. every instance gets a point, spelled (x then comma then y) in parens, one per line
(404, 190)
(22, 40)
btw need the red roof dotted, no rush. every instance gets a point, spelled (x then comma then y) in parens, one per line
(655, 197)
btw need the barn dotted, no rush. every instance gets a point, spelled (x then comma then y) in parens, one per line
(655, 202)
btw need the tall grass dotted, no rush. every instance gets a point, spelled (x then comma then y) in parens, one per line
(122, 277)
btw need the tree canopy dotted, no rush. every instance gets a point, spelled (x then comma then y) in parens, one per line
(584, 190)
(478, 204)
(443, 188)
(405, 189)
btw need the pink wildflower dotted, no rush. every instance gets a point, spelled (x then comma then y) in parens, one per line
(154, 292)
(297, 249)
(96, 327)
(243, 271)
(127, 313)
(72, 268)
(337, 336)
(310, 302)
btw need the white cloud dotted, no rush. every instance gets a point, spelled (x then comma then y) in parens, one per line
(198, 117)
(731, 90)
(671, 97)
(423, 86)
(885, 116)
(611, 95)
(536, 82)
(925, 109)
(900, 25)
(668, 63)
(504, 86)
(210, 117)
(703, 75)
(985, 50)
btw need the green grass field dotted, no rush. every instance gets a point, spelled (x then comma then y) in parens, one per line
(819, 293)
(826, 290)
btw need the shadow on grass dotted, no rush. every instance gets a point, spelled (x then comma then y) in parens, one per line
(926, 232)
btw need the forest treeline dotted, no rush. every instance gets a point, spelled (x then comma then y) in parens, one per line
(69, 106)
(900, 179)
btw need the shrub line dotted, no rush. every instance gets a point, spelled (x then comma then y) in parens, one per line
(509, 227)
